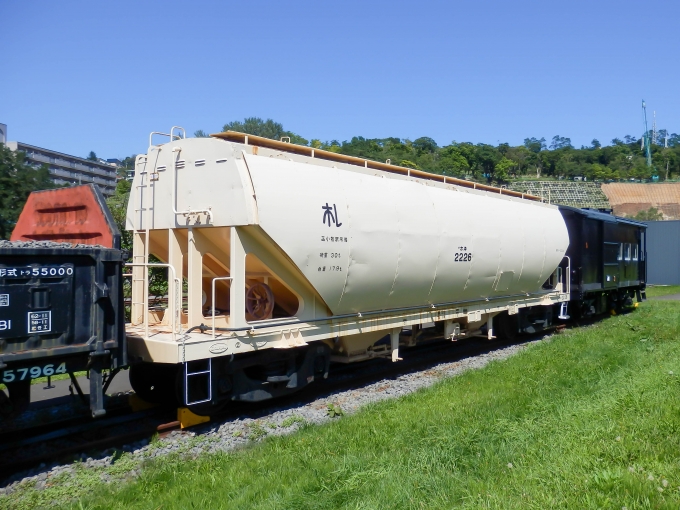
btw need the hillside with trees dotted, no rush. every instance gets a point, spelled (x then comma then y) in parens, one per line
(536, 158)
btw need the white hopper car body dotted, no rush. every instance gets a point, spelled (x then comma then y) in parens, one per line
(294, 257)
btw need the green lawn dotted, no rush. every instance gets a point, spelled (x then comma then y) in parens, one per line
(588, 420)
(662, 290)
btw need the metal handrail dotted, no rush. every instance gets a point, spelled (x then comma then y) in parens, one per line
(172, 132)
(171, 135)
(568, 279)
(212, 303)
(174, 309)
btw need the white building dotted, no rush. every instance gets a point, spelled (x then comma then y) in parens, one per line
(69, 170)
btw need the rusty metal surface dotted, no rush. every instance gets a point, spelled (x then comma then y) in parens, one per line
(627, 199)
(76, 215)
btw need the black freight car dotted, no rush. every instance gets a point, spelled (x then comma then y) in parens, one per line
(607, 259)
(61, 303)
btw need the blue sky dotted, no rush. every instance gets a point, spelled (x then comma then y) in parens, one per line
(79, 76)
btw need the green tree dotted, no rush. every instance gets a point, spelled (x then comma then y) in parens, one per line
(425, 144)
(534, 144)
(452, 161)
(409, 164)
(92, 156)
(265, 128)
(117, 204)
(521, 156)
(258, 127)
(502, 169)
(17, 181)
(560, 142)
(651, 214)
(201, 134)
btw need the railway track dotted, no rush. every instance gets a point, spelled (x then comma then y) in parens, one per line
(68, 439)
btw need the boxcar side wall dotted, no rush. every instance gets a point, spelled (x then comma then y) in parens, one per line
(607, 254)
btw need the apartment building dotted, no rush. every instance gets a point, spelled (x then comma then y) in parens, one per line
(65, 169)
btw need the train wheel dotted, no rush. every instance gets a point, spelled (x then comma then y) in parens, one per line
(5, 404)
(155, 382)
(19, 395)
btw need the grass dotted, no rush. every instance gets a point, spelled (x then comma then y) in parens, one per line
(588, 420)
(662, 290)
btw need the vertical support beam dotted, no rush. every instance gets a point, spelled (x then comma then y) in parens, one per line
(489, 328)
(195, 277)
(176, 260)
(394, 341)
(138, 278)
(237, 270)
(451, 330)
(414, 334)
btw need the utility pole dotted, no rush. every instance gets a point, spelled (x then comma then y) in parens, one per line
(646, 142)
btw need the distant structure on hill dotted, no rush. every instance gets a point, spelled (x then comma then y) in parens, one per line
(70, 170)
(628, 199)
(65, 169)
(575, 194)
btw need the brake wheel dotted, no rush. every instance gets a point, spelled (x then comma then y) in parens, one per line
(260, 301)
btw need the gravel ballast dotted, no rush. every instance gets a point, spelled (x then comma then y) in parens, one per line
(226, 435)
(45, 245)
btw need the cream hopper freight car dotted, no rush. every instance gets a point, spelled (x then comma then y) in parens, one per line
(292, 257)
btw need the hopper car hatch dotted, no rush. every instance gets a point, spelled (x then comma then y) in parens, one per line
(61, 306)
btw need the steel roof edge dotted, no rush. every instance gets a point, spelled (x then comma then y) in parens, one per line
(596, 215)
(235, 136)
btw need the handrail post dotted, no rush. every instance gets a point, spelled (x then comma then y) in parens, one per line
(212, 303)
(172, 306)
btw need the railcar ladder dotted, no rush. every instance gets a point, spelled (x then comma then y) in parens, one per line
(197, 381)
(563, 311)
